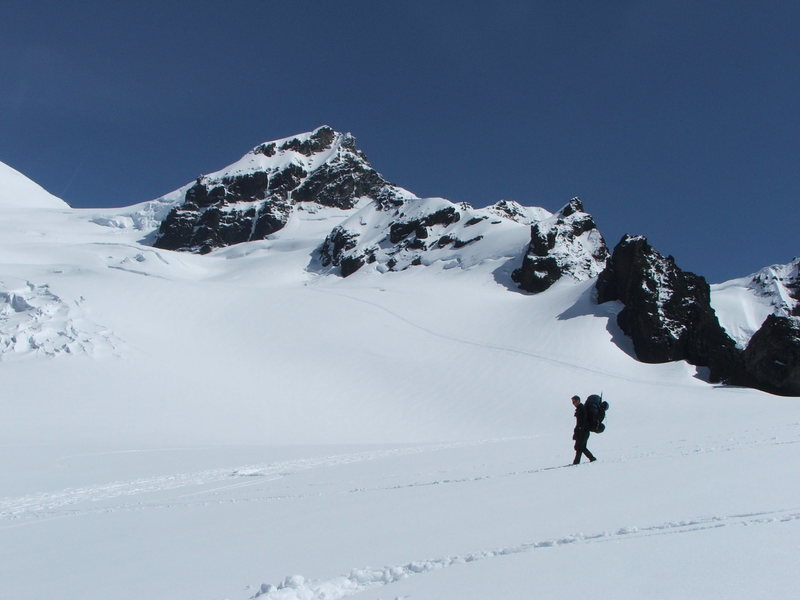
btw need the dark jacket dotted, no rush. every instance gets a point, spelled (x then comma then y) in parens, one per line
(581, 422)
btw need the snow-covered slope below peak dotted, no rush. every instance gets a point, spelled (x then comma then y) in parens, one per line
(144, 218)
(742, 305)
(19, 192)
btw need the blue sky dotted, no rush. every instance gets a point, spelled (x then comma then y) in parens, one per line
(675, 120)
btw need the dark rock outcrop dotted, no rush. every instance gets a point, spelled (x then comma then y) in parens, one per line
(419, 227)
(402, 239)
(566, 244)
(340, 183)
(254, 199)
(772, 357)
(334, 251)
(511, 210)
(667, 312)
(320, 140)
(418, 231)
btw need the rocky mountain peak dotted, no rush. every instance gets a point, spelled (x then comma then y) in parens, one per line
(253, 197)
(667, 312)
(566, 244)
(573, 206)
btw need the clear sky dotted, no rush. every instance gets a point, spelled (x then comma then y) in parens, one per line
(678, 120)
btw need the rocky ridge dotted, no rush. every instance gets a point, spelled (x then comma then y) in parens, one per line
(254, 197)
(382, 225)
(567, 243)
(421, 231)
(667, 311)
(668, 315)
(772, 357)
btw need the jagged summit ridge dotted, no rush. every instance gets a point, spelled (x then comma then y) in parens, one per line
(253, 197)
(382, 224)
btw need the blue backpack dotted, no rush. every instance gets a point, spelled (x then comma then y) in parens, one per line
(596, 409)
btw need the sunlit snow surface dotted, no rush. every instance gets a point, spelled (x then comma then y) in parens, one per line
(239, 426)
(743, 304)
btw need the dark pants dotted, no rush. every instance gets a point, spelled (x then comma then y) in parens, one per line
(581, 438)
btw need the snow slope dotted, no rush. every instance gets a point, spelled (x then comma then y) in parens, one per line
(743, 304)
(19, 192)
(236, 425)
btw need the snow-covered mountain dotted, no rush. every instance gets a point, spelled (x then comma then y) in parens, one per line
(17, 192)
(383, 225)
(361, 222)
(236, 418)
(254, 197)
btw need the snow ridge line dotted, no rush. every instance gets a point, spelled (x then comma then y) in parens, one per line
(12, 508)
(297, 587)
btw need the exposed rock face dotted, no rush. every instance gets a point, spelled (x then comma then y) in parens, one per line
(772, 358)
(221, 217)
(337, 249)
(253, 198)
(419, 231)
(567, 244)
(667, 311)
(508, 209)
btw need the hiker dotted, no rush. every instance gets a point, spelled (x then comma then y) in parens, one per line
(581, 433)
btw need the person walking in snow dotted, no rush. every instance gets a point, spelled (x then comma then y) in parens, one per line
(581, 433)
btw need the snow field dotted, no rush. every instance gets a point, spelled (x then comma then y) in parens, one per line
(259, 430)
(430, 521)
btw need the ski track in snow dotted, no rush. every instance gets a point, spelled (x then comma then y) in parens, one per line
(517, 351)
(34, 505)
(38, 508)
(297, 587)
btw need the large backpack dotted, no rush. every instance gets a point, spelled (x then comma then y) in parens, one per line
(596, 409)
